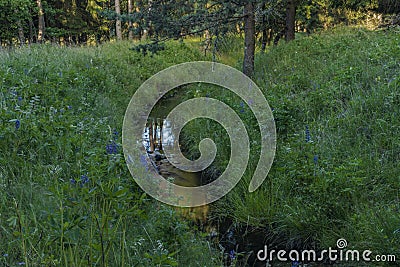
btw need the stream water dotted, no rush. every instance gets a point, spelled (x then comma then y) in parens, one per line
(233, 239)
(156, 136)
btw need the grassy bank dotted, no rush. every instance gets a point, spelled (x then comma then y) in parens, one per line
(66, 196)
(335, 98)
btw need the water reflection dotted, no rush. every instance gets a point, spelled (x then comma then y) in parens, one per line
(157, 135)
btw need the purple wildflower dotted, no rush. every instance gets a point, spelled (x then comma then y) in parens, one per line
(308, 136)
(112, 148)
(84, 180)
(315, 159)
(72, 181)
(232, 254)
(115, 134)
(17, 124)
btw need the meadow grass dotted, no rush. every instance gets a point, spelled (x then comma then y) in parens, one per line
(336, 102)
(66, 195)
(67, 198)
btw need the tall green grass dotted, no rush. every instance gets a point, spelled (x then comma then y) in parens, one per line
(67, 198)
(343, 179)
(66, 195)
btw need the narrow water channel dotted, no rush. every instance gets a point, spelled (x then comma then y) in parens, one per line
(158, 135)
(226, 235)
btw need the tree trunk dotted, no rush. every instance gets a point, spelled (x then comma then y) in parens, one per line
(290, 20)
(160, 145)
(147, 27)
(118, 20)
(31, 33)
(21, 35)
(151, 137)
(249, 39)
(265, 31)
(41, 26)
(130, 9)
(264, 40)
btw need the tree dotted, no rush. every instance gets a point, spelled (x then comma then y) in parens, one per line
(389, 6)
(14, 21)
(118, 29)
(130, 10)
(41, 25)
(290, 20)
(165, 19)
(249, 39)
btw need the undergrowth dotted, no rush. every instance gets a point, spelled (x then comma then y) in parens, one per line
(335, 98)
(66, 195)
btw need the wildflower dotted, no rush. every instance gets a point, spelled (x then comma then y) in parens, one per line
(115, 134)
(17, 124)
(295, 263)
(308, 136)
(69, 107)
(84, 180)
(112, 148)
(72, 181)
(315, 159)
(19, 98)
(60, 74)
(241, 107)
(232, 254)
